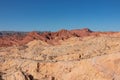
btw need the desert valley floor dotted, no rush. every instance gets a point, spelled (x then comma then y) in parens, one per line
(79, 54)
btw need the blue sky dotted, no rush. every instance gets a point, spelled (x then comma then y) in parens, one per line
(52, 15)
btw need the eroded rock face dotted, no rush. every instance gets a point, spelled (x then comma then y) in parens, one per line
(90, 57)
(12, 38)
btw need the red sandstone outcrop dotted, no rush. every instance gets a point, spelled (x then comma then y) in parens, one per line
(49, 37)
(79, 56)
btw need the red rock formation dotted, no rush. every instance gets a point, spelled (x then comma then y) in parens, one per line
(82, 32)
(49, 37)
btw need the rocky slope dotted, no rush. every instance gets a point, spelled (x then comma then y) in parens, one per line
(21, 38)
(63, 55)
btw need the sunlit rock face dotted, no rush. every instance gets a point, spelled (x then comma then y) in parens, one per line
(79, 54)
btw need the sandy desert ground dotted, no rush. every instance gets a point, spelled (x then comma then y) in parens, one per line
(79, 54)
